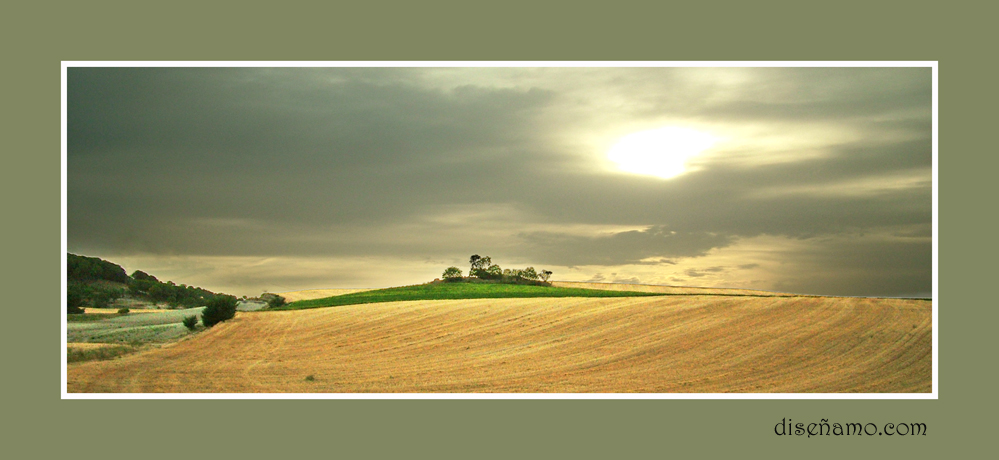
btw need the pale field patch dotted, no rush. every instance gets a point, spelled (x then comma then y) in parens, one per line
(295, 296)
(154, 326)
(89, 346)
(671, 344)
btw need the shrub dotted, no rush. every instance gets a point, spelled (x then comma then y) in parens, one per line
(276, 301)
(191, 322)
(219, 308)
(494, 272)
(123, 311)
(452, 274)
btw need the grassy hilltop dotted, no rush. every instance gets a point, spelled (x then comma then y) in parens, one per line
(456, 290)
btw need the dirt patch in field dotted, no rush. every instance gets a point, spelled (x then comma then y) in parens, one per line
(694, 344)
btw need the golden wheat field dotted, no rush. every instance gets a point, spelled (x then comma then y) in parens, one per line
(693, 344)
(664, 289)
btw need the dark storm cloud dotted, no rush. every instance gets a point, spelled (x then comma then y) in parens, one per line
(860, 267)
(325, 117)
(437, 162)
(151, 147)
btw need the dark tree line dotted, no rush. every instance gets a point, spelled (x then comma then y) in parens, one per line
(82, 268)
(483, 268)
(143, 285)
(98, 283)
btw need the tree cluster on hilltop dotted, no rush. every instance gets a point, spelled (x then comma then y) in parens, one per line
(83, 269)
(483, 268)
(94, 282)
(143, 285)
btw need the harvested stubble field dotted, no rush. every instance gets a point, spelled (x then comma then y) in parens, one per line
(674, 290)
(698, 344)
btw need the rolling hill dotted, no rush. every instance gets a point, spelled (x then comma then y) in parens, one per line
(663, 344)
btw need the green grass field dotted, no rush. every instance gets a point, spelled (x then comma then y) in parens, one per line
(444, 291)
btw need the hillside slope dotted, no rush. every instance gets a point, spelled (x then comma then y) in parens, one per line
(700, 344)
(295, 296)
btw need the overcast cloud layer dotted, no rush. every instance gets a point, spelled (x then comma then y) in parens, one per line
(244, 180)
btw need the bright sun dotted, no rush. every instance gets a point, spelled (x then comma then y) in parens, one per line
(659, 152)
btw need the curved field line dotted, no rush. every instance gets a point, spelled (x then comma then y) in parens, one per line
(700, 344)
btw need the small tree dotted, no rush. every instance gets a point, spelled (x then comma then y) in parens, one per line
(545, 274)
(220, 308)
(480, 266)
(191, 322)
(452, 274)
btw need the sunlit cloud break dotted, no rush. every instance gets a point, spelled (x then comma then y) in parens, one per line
(814, 179)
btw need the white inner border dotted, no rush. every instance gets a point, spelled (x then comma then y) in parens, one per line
(936, 231)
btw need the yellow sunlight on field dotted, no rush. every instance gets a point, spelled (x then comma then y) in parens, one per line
(694, 344)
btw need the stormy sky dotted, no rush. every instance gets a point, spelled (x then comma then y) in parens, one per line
(245, 180)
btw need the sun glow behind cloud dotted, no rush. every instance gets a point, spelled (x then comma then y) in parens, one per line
(659, 152)
(583, 171)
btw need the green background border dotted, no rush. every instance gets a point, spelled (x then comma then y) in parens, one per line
(37, 37)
